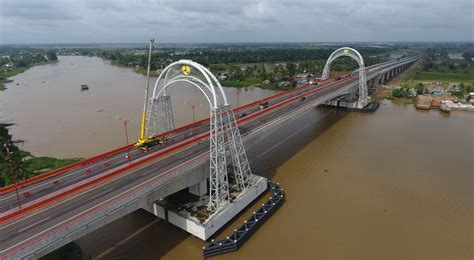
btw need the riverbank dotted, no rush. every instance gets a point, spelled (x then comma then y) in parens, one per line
(428, 89)
(4, 75)
(29, 164)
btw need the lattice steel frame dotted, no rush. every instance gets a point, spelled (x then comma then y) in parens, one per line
(218, 181)
(224, 132)
(159, 110)
(240, 162)
(350, 52)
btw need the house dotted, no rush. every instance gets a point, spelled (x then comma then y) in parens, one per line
(8, 65)
(266, 82)
(283, 83)
(412, 92)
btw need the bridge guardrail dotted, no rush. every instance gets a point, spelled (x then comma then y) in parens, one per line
(202, 136)
(44, 176)
(85, 185)
(59, 171)
(100, 212)
(243, 119)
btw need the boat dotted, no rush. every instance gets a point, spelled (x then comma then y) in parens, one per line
(84, 87)
(8, 81)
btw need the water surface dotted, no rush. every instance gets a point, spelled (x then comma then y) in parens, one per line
(56, 119)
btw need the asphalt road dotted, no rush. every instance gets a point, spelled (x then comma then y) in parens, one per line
(25, 228)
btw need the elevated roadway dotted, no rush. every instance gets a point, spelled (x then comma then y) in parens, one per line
(97, 191)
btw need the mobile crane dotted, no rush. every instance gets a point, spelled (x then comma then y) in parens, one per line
(145, 142)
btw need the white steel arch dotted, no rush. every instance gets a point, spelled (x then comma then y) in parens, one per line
(223, 130)
(350, 52)
(209, 80)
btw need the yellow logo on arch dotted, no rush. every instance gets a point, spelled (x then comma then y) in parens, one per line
(346, 51)
(186, 69)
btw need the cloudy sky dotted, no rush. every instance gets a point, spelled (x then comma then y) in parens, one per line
(131, 21)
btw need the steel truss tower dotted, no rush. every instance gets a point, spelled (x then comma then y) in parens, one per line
(218, 181)
(224, 137)
(350, 52)
(160, 112)
(240, 162)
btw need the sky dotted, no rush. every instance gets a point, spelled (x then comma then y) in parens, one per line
(183, 21)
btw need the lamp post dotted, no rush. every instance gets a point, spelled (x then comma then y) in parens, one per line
(125, 122)
(193, 106)
(8, 159)
(238, 97)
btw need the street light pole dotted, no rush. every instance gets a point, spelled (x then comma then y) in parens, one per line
(8, 159)
(193, 106)
(238, 95)
(125, 122)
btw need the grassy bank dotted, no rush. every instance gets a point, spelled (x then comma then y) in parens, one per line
(6, 74)
(25, 164)
(458, 77)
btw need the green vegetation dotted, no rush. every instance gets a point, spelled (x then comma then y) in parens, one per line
(439, 65)
(449, 67)
(244, 66)
(16, 60)
(241, 83)
(465, 76)
(21, 164)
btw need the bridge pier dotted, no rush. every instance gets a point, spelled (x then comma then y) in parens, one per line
(199, 189)
(192, 217)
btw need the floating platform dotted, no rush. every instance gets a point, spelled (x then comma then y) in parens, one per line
(192, 216)
(243, 233)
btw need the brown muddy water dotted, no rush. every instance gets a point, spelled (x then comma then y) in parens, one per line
(397, 183)
(55, 118)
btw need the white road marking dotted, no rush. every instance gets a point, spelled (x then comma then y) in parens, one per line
(33, 187)
(98, 205)
(37, 223)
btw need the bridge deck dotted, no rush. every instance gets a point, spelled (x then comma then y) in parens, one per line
(25, 229)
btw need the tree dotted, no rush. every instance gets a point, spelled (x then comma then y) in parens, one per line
(51, 55)
(419, 88)
(291, 69)
(399, 92)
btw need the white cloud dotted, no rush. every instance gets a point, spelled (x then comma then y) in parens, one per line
(261, 9)
(30, 21)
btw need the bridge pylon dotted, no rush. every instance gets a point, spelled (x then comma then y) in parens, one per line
(224, 135)
(364, 98)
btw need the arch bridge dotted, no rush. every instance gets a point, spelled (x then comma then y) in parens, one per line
(364, 98)
(69, 203)
(224, 132)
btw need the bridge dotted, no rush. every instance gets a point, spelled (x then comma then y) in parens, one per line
(212, 158)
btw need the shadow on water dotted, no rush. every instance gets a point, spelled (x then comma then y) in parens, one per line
(139, 235)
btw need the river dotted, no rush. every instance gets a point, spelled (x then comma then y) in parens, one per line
(56, 119)
(397, 183)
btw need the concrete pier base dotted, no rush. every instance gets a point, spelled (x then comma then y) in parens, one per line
(204, 229)
(348, 104)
